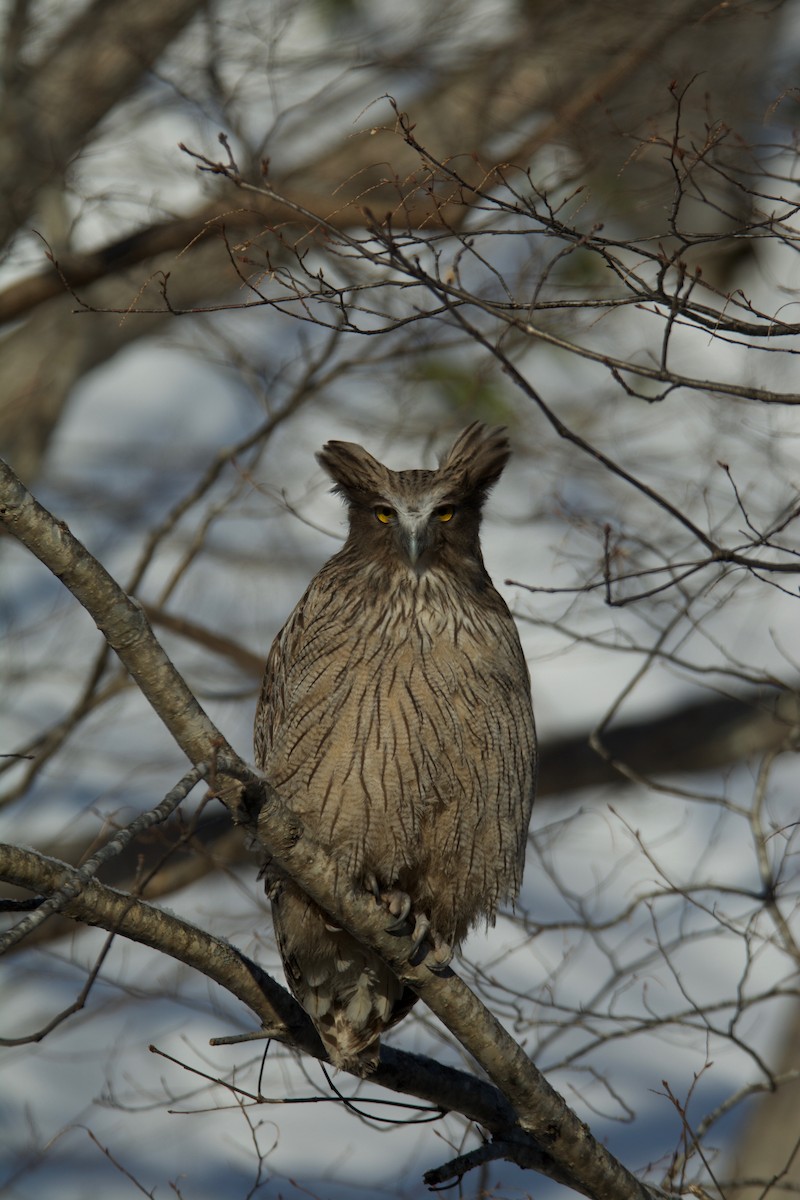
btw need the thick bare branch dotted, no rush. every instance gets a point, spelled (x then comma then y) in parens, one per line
(281, 1017)
(93, 903)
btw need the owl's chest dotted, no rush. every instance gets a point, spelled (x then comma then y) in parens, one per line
(385, 719)
(405, 673)
(400, 683)
(395, 658)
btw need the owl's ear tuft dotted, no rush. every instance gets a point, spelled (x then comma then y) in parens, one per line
(476, 459)
(355, 473)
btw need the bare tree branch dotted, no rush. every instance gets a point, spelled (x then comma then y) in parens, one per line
(121, 620)
(58, 900)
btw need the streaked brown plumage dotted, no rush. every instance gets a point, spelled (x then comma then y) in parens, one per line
(395, 719)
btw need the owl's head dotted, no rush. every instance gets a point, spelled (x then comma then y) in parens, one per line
(421, 518)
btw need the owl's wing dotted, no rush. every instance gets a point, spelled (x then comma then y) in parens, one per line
(275, 699)
(269, 710)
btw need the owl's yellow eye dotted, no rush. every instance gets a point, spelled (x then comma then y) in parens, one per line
(445, 514)
(385, 515)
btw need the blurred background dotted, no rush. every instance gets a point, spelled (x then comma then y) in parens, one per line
(579, 221)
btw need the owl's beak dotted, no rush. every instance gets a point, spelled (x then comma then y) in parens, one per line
(413, 536)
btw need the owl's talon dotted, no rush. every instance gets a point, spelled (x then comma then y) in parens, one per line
(372, 885)
(398, 905)
(421, 929)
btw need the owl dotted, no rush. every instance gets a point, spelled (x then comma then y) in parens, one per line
(395, 720)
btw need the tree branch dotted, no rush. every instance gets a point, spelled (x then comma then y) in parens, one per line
(97, 60)
(119, 618)
(541, 1111)
(92, 903)
(59, 899)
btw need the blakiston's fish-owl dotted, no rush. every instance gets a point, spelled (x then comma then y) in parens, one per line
(395, 720)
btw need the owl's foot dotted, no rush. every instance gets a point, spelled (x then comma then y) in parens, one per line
(422, 927)
(437, 955)
(396, 903)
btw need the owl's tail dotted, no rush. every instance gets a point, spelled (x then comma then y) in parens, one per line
(349, 993)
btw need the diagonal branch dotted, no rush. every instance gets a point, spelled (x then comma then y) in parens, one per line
(120, 619)
(447, 1088)
(93, 903)
(540, 1110)
(56, 102)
